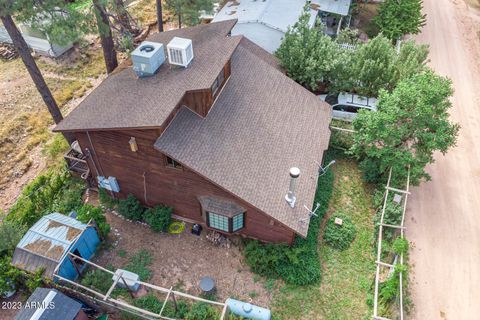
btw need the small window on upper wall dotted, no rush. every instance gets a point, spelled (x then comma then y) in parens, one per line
(173, 164)
(218, 82)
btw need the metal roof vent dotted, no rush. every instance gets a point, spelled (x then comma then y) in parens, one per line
(290, 197)
(147, 58)
(180, 51)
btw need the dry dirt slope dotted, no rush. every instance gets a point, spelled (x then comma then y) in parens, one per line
(443, 215)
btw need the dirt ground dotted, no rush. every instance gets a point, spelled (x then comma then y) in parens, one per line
(443, 219)
(181, 260)
(25, 125)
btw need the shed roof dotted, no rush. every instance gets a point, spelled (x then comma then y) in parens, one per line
(276, 14)
(65, 308)
(125, 101)
(262, 124)
(341, 7)
(46, 242)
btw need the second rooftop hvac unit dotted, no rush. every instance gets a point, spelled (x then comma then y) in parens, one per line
(180, 51)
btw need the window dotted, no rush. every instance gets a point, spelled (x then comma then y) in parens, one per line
(173, 164)
(218, 222)
(225, 223)
(237, 222)
(346, 108)
(218, 82)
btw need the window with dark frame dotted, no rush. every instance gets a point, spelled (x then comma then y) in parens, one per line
(226, 223)
(173, 164)
(218, 82)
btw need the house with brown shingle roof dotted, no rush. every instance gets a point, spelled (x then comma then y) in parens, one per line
(215, 140)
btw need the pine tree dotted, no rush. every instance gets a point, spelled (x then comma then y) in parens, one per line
(188, 11)
(106, 37)
(159, 15)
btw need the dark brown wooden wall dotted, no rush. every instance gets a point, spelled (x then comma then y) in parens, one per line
(173, 187)
(200, 101)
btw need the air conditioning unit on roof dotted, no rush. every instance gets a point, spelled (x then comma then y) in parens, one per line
(180, 51)
(147, 58)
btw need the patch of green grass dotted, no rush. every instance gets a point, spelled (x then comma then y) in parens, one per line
(139, 264)
(347, 275)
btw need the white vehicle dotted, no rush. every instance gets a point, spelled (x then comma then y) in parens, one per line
(346, 105)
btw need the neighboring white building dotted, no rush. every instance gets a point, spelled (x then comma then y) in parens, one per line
(36, 40)
(264, 22)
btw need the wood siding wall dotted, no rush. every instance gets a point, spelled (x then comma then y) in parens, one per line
(145, 170)
(200, 101)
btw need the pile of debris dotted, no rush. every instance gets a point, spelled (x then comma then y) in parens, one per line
(218, 239)
(8, 51)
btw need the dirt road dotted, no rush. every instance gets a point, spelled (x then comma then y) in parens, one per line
(444, 215)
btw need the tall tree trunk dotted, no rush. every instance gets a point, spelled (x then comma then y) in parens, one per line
(179, 21)
(124, 18)
(159, 16)
(106, 38)
(32, 68)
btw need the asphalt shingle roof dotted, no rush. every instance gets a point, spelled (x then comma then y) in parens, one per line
(62, 307)
(125, 101)
(262, 124)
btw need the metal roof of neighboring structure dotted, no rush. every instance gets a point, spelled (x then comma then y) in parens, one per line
(341, 7)
(46, 242)
(262, 124)
(62, 307)
(276, 14)
(125, 101)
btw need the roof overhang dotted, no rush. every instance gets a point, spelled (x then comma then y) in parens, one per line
(341, 7)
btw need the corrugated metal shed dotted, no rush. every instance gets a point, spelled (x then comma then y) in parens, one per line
(47, 242)
(341, 7)
(61, 306)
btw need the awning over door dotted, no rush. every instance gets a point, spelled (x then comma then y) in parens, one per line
(341, 7)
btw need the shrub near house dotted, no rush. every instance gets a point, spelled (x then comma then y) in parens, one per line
(158, 217)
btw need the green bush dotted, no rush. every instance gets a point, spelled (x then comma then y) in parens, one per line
(149, 302)
(393, 215)
(131, 208)
(265, 259)
(340, 236)
(10, 235)
(33, 281)
(88, 212)
(9, 275)
(139, 264)
(391, 288)
(298, 264)
(158, 218)
(181, 313)
(97, 279)
(400, 245)
(201, 311)
(105, 199)
(53, 191)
